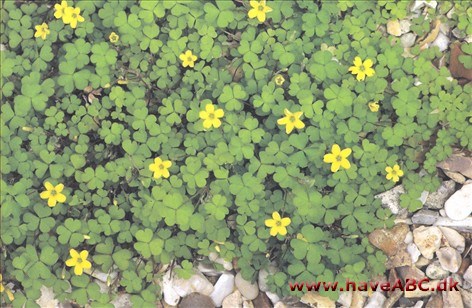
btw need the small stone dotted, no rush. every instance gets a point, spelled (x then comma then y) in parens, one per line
(449, 259)
(263, 275)
(122, 300)
(405, 25)
(414, 252)
(435, 301)
(223, 287)
(208, 269)
(170, 295)
(358, 299)
(316, 300)
(455, 176)
(213, 256)
(468, 274)
(280, 305)
(441, 41)
(425, 217)
(466, 297)
(408, 238)
(410, 272)
(104, 277)
(389, 241)
(452, 299)
(391, 200)
(453, 238)
(248, 304)
(418, 4)
(393, 27)
(376, 300)
(248, 290)
(417, 293)
(233, 300)
(437, 199)
(408, 40)
(459, 205)
(262, 301)
(428, 240)
(274, 298)
(195, 284)
(459, 225)
(47, 298)
(196, 300)
(422, 261)
(345, 298)
(435, 271)
(458, 33)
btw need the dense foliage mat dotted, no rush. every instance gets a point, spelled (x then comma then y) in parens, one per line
(138, 134)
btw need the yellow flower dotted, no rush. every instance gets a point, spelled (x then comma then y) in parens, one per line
(60, 10)
(394, 173)
(72, 16)
(42, 31)
(10, 295)
(277, 224)
(79, 261)
(188, 59)
(160, 168)
(338, 158)
(362, 69)
(114, 37)
(53, 194)
(291, 121)
(374, 106)
(279, 80)
(211, 117)
(259, 10)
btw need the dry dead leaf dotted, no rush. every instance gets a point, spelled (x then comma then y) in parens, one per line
(431, 36)
(458, 69)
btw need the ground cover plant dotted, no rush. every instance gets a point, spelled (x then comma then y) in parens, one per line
(140, 134)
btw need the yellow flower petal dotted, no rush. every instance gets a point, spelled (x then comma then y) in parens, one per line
(335, 149)
(346, 152)
(276, 216)
(52, 201)
(71, 262)
(48, 186)
(286, 221)
(219, 113)
(210, 108)
(60, 198)
(368, 63)
(78, 270)
(59, 188)
(74, 254)
(84, 254)
(270, 222)
(289, 127)
(335, 166)
(252, 13)
(45, 194)
(282, 230)
(345, 164)
(357, 61)
(329, 158)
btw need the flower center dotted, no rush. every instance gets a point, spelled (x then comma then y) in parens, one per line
(278, 223)
(362, 67)
(161, 167)
(74, 16)
(339, 158)
(292, 119)
(211, 116)
(261, 8)
(189, 59)
(394, 172)
(53, 192)
(79, 260)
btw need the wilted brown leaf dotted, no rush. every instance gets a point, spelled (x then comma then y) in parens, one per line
(455, 66)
